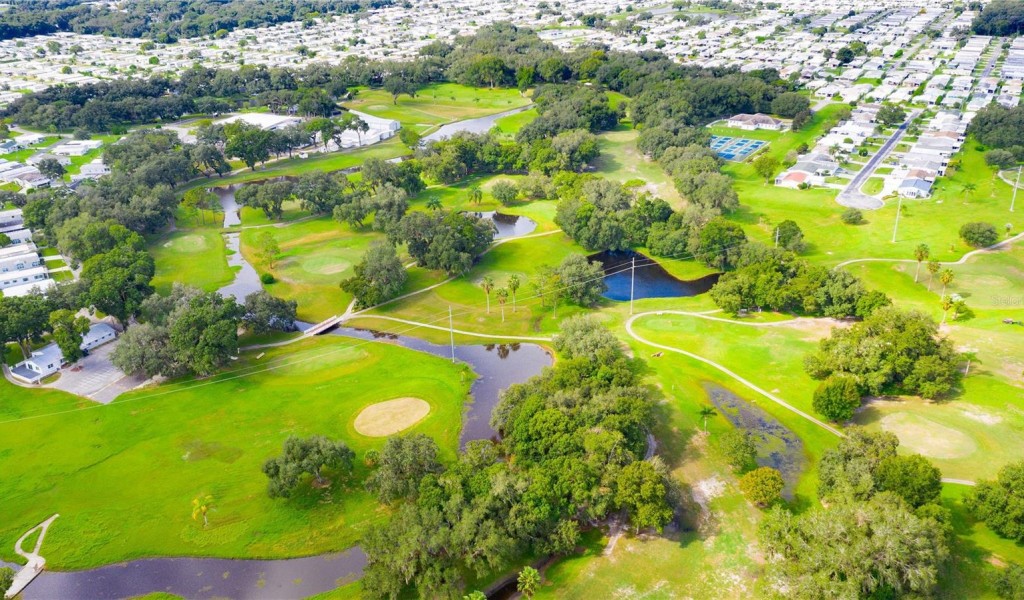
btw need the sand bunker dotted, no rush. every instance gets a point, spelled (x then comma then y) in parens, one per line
(390, 417)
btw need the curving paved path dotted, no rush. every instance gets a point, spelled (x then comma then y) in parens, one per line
(520, 338)
(34, 562)
(963, 259)
(633, 334)
(730, 373)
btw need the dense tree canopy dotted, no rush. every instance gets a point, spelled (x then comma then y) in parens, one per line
(314, 456)
(997, 126)
(1000, 503)
(572, 449)
(449, 241)
(164, 22)
(876, 548)
(891, 350)
(378, 277)
(187, 331)
(1000, 17)
(881, 533)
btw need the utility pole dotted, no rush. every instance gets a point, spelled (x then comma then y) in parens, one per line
(632, 277)
(451, 332)
(776, 236)
(899, 209)
(1015, 186)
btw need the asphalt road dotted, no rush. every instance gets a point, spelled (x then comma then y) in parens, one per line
(851, 196)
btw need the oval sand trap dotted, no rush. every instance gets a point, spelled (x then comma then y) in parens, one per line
(924, 436)
(390, 417)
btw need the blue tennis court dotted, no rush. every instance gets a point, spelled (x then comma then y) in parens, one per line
(737, 149)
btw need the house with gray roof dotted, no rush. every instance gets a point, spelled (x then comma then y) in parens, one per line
(49, 359)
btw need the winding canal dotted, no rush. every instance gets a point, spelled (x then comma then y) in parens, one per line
(497, 366)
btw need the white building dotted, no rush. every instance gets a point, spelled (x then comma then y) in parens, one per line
(49, 359)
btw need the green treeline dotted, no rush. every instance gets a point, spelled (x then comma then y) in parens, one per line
(164, 21)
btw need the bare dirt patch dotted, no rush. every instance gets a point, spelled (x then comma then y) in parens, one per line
(815, 329)
(390, 417)
(976, 414)
(928, 437)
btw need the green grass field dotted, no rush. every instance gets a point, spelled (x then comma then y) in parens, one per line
(123, 476)
(437, 104)
(510, 125)
(316, 255)
(335, 161)
(467, 299)
(196, 257)
(621, 161)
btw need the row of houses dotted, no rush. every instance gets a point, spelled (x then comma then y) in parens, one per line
(22, 269)
(942, 137)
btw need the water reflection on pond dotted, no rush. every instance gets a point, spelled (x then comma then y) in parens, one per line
(507, 225)
(649, 279)
(497, 366)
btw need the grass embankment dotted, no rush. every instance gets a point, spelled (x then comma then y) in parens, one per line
(620, 160)
(123, 476)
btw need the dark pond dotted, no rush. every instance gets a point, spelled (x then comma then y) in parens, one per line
(777, 446)
(507, 225)
(497, 367)
(649, 280)
(200, 578)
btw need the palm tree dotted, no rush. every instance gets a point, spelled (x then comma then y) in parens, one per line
(946, 305)
(434, 203)
(476, 195)
(933, 268)
(200, 506)
(488, 284)
(969, 187)
(946, 277)
(502, 298)
(970, 356)
(705, 413)
(921, 253)
(529, 579)
(513, 285)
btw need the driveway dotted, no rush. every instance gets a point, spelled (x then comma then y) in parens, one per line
(95, 377)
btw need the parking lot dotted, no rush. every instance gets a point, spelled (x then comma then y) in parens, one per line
(95, 377)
